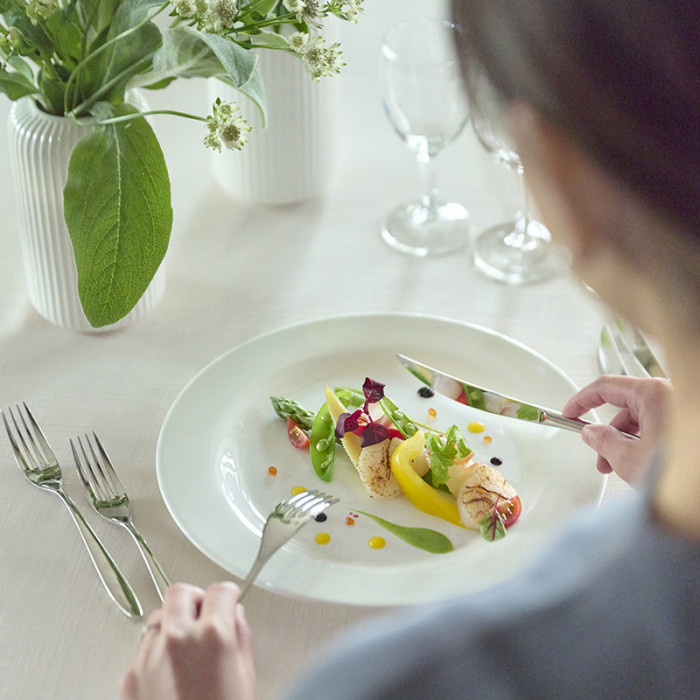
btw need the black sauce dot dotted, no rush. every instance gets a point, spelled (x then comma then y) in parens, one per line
(425, 392)
(321, 518)
(496, 461)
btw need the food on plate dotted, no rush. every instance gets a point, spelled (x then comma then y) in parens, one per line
(395, 456)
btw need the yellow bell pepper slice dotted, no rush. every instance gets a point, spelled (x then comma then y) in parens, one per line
(420, 493)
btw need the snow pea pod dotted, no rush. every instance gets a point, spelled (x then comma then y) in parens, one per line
(322, 437)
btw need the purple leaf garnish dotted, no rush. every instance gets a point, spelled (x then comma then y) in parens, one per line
(347, 422)
(373, 391)
(373, 434)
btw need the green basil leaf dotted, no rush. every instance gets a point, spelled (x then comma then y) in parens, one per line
(119, 216)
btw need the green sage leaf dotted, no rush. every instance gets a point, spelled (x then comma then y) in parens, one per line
(106, 72)
(15, 85)
(119, 216)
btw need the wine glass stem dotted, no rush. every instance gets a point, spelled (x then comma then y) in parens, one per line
(430, 193)
(520, 235)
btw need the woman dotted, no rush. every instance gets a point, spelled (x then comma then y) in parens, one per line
(602, 96)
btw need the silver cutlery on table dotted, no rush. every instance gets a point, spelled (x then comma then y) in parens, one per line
(281, 525)
(623, 350)
(109, 498)
(39, 464)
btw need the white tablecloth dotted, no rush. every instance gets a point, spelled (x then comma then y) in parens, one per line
(234, 270)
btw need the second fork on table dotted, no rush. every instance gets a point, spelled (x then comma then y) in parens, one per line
(109, 498)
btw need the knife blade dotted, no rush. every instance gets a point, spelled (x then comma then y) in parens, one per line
(488, 400)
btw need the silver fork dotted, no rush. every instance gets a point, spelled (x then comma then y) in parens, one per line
(39, 464)
(109, 498)
(281, 525)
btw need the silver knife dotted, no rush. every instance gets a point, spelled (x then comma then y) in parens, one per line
(487, 400)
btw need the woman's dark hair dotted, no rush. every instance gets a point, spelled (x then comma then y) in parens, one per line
(621, 77)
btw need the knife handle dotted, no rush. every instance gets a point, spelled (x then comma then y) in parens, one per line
(560, 421)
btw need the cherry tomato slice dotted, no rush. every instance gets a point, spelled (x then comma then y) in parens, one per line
(297, 436)
(510, 510)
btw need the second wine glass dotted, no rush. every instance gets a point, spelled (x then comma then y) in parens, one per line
(424, 99)
(521, 250)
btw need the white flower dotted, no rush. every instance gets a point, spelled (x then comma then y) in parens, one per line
(222, 14)
(201, 8)
(298, 42)
(225, 127)
(185, 8)
(320, 60)
(295, 6)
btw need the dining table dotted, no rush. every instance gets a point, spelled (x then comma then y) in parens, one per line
(235, 270)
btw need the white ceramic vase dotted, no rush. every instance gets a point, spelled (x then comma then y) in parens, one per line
(40, 148)
(293, 158)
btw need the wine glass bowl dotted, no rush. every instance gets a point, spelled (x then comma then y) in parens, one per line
(520, 250)
(425, 102)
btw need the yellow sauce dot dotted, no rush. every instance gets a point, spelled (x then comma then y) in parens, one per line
(476, 427)
(322, 538)
(376, 542)
(272, 471)
(432, 412)
(297, 489)
(488, 439)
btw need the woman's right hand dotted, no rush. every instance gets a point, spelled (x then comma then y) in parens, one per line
(643, 404)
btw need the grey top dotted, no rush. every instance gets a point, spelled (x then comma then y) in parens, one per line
(612, 610)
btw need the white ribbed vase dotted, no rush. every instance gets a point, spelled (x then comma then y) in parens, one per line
(294, 157)
(40, 148)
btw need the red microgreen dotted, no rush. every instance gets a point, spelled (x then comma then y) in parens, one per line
(373, 434)
(347, 423)
(492, 526)
(373, 391)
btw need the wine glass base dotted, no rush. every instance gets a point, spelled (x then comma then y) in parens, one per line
(498, 255)
(421, 231)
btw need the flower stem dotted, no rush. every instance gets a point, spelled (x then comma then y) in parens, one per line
(137, 115)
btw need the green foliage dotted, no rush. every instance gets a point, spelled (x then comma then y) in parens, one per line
(79, 58)
(115, 219)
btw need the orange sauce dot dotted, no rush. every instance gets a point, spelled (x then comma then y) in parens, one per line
(349, 520)
(272, 471)
(476, 427)
(488, 439)
(297, 489)
(322, 538)
(432, 412)
(376, 542)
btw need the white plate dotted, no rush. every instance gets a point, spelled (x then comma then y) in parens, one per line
(221, 435)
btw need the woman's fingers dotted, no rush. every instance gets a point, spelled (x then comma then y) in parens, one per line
(623, 392)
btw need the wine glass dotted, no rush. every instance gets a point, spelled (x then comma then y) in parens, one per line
(521, 250)
(425, 101)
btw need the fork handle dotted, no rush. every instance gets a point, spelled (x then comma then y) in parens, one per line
(160, 580)
(118, 588)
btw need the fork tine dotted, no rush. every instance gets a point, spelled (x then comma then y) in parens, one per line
(83, 465)
(99, 486)
(36, 430)
(107, 469)
(11, 437)
(27, 452)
